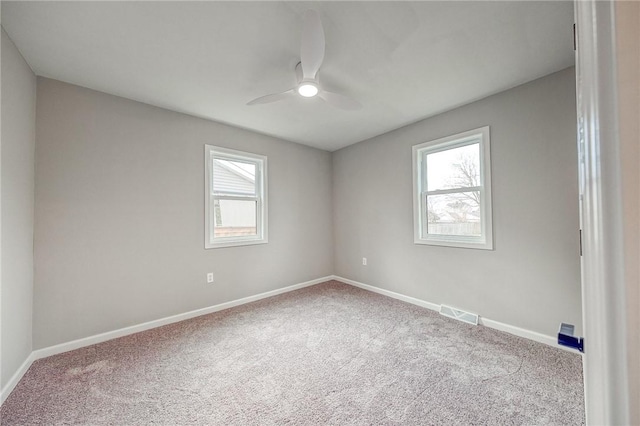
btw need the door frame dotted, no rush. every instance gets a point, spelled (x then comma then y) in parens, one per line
(606, 370)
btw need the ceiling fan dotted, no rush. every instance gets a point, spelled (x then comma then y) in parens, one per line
(311, 56)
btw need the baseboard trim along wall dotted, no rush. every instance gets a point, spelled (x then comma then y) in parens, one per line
(389, 293)
(517, 331)
(103, 337)
(17, 376)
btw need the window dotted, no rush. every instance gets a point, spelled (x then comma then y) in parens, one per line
(452, 191)
(235, 198)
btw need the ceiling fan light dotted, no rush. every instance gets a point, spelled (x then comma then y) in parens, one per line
(307, 90)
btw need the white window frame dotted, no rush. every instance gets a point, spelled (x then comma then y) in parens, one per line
(420, 152)
(260, 162)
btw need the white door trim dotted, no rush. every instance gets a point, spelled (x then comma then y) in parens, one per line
(603, 286)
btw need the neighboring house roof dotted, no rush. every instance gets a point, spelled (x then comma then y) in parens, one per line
(229, 178)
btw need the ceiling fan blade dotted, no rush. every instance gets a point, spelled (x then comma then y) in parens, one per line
(340, 101)
(272, 98)
(312, 46)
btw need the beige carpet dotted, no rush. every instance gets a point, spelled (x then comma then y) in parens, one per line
(327, 354)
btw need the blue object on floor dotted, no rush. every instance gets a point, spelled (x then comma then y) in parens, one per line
(566, 337)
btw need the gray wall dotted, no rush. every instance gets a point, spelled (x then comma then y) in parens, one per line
(17, 177)
(532, 278)
(119, 213)
(119, 219)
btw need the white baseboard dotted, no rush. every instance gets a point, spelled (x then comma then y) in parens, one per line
(103, 337)
(523, 332)
(389, 293)
(13, 381)
(517, 331)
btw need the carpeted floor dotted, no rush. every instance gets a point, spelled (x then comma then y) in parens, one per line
(327, 354)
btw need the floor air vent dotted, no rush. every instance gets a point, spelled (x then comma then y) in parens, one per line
(463, 316)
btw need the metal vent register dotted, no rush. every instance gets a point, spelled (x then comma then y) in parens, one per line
(458, 314)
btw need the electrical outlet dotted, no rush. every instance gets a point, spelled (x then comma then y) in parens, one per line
(364, 261)
(210, 277)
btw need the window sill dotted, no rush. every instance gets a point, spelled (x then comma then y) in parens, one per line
(480, 245)
(236, 243)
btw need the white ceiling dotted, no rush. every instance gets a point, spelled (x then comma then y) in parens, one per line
(403, 61)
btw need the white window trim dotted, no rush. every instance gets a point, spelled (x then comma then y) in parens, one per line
(261, 199)
(485, 241)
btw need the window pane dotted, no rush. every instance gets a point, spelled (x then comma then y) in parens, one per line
(234, 177)
(454, 168)
(235, 218)
(454, 214)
